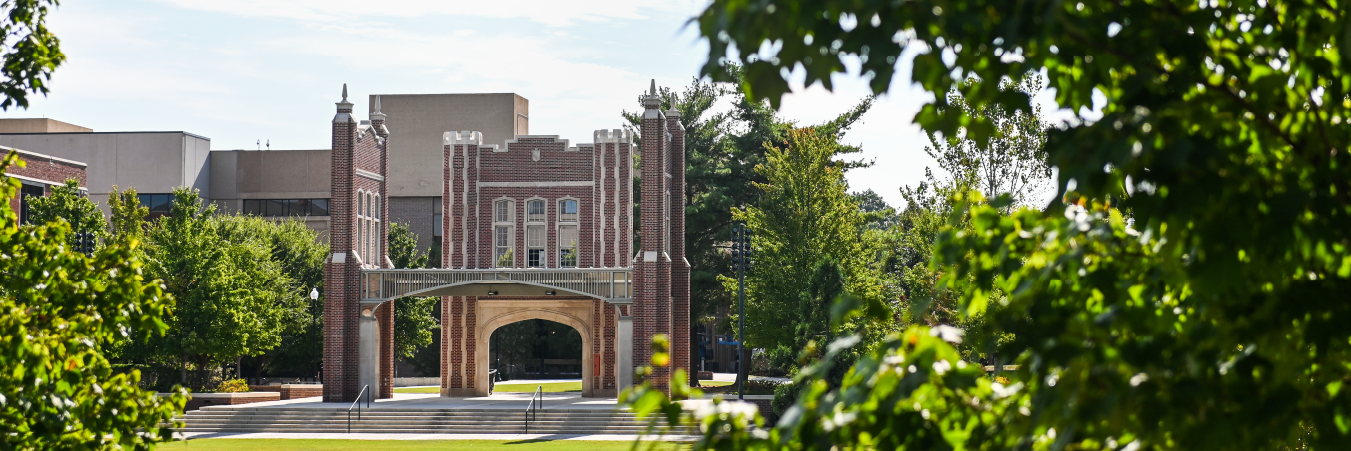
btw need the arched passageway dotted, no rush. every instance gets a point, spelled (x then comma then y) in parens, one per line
(536, 349)
(469, 323)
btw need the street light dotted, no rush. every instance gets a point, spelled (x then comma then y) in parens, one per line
(314, 321)
(741, 260)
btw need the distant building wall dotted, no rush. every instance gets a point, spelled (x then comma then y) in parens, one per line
(151, 162)
(37, 176)
(417, 121)
(39, 125)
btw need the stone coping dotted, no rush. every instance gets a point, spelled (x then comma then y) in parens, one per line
(247, 395)
(732, 397)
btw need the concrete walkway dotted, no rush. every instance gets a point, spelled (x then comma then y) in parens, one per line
(731, 377)
(416, 401)
(359, 436)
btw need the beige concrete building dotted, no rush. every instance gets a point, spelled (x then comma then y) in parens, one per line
(152, 162)
(281, 183)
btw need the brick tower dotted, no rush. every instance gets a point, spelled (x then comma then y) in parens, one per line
(358, 338)
(661, 303)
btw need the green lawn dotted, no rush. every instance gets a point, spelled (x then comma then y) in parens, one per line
(552, 387)
(220, 444)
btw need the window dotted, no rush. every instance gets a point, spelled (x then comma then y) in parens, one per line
(369, 233)
(534, 211)
(159, 204)
(534, 241)
(502, 247)
(567, 210)
(504, 231)
(285, 207)
(436, 225)
(24, 193)
(567, 246)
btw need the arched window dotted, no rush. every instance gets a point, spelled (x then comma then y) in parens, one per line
(504, 233)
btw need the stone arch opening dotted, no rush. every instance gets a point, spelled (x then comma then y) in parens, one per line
(490, 325)
(535, 349)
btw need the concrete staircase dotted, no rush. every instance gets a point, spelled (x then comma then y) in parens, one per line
(410, 421)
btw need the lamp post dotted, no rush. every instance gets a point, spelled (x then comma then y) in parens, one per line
(314, 321)
(741, 259)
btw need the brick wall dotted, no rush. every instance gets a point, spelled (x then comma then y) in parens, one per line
(43, 170)
(357, 148)
(419, 214)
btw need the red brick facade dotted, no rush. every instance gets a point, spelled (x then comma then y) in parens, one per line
(359, 167)
(42, 170)
(488, 192)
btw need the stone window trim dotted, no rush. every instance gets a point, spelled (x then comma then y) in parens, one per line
(563, 214)
(368, 227)
(530, 210)
(503, 230)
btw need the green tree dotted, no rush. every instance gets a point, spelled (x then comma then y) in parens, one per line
(1212, 319)
(126, 219)
(413, 319)
(805, 222)
(57, 310)
(877, 214)
(293, 258)
(300, 252)
(30, 54)
(1012, 161)
(67, 203)
(722, 151)
(232, 297)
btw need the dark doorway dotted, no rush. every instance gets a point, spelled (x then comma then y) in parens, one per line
(536, 349)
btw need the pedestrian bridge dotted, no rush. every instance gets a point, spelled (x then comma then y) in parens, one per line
(614, 285)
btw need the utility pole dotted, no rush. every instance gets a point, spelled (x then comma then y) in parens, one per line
(741, 259)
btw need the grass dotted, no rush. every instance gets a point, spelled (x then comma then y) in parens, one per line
(550, 387)
(255, 444)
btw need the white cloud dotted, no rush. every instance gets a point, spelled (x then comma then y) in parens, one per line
(548, 12)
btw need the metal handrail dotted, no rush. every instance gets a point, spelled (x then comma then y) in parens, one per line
(531, 410)
(365, 390)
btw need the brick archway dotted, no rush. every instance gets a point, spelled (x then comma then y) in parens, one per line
(545, 311)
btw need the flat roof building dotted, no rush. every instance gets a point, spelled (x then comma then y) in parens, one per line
(281, 183)
(152, 162)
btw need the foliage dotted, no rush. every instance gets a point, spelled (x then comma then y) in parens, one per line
(1012, 161)
(31, 52)
(1209, 318)
(877, 215)
(67, 203)
(58, 309)
(413, 320)
(295, 251)
(233, 386)
(233, 299)
(804, 219)
(722, 150)
(126, 219)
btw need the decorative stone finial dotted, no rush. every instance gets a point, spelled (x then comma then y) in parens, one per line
(377, 104)
(344, 92)
(651, 101)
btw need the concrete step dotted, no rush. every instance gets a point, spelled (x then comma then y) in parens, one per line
(412, 421)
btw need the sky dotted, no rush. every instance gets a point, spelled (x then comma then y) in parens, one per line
(241, 71)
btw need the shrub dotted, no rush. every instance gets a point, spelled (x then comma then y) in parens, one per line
(233, 386)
